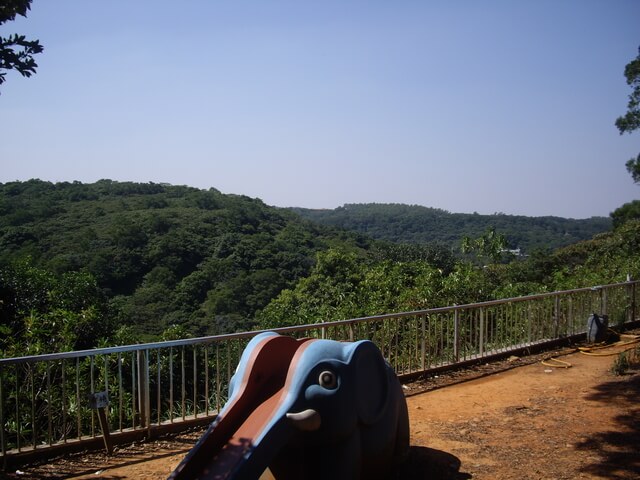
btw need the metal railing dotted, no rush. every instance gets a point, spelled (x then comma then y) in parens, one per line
(43, 399)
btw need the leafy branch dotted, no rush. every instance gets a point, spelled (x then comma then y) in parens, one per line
(631, 120)
(16, 52)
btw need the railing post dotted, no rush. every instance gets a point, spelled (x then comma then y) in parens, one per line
(158, 388)
(423, 346)
(529, 324)
(556, 317)
(570, 316)
(633, 302)
(206, 379)
(49, 413)
(195, 382)
(18, 409)
(120, 395)
(184, 381)
(603, 301)
(481, 339)
(171, 383)
(147, 393)
(34, 429)
(2, 440)
(78, 416)
(143, 388)
(456, 335)
(631, 299)
(218, 386)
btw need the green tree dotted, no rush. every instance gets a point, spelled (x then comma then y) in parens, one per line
(432, 228)
(628, 211)
(631, 120)
(41, 312)
(343, 285)
(16, 52)
(488, 247)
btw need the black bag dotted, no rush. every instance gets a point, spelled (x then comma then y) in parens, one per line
(597, 328)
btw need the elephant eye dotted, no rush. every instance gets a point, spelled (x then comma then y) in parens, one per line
(328, 380)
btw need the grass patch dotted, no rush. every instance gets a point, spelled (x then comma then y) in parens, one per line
(626, 361)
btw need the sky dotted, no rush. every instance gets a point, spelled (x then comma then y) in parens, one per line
(468, 106)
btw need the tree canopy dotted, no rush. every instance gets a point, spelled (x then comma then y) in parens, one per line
(16, 52)
(110, 263)
(423, 225)
(343, 285)
(630, 121)
(162, 254)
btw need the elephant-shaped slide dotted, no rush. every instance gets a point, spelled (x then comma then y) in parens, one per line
(307, 409)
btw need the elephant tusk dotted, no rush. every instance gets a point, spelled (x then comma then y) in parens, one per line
(307, 420)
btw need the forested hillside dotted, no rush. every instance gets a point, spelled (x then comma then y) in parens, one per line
(157, 255)
(416, 224)
(343, 286)
(83, 265)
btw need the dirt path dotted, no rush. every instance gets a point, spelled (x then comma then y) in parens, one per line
(530, 422)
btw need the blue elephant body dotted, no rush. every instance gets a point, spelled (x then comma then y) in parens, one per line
(364, 427)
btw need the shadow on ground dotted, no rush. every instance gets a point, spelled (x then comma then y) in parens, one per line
(428, 463)
(616, 453)
(75, 468)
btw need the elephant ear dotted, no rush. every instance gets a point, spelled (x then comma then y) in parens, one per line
(371, 382)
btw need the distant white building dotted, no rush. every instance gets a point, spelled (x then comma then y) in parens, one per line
(515, 251)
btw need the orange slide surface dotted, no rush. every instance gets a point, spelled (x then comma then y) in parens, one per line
(231, 439)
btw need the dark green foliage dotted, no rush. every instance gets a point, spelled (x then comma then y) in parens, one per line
(41, 312)
(621, 364)
(608, 257)
(435, 254)
(416, 224)
(163, 254)
(633, 167)
(114, 263)
(489, 247)
(628, 211)
(16, 52)
(344, 286)
(630, 121)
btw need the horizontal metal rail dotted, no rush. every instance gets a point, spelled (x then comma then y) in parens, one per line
(44, 399)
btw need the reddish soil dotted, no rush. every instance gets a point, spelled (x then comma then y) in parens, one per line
(515, 419)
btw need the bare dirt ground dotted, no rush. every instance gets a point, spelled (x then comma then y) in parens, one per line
(515, 419)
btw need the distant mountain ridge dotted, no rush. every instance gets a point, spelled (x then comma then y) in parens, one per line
(417, 224)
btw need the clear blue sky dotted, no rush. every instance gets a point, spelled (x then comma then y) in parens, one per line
(488, 106)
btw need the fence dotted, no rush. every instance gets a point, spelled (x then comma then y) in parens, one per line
(44, 399)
